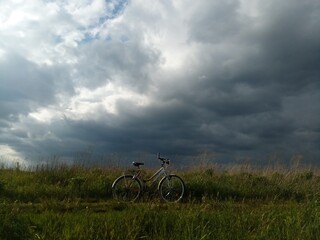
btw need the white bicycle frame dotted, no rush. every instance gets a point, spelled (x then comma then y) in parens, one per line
(154, 178)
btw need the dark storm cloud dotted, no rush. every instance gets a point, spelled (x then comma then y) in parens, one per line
(241, 100)
(249, 86)
(26, 86)
(158, 129)
(283, 43)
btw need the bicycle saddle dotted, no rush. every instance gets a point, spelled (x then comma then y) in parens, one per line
(137, 164)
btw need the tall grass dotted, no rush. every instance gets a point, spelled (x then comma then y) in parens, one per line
(67, 182)
(216, 220)
(75, 202)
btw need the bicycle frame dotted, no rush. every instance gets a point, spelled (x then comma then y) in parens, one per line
(154, 178)
(156, 175)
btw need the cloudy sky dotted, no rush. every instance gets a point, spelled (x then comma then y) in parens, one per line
(238, 78)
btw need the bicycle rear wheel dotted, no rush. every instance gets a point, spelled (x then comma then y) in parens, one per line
(126, 188)
(171, 188)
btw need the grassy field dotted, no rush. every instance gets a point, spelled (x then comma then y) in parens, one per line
(74, 202)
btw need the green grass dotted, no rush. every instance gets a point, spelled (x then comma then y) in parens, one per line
(76, 203)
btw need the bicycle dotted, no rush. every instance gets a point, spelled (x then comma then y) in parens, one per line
(129, 187)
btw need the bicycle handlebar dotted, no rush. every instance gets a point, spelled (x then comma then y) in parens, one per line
(164, 160)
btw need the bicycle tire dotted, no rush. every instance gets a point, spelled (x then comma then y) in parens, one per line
(126, 188)
(171, 188)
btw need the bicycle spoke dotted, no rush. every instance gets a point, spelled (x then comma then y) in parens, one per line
(172, 188)
(126, 188)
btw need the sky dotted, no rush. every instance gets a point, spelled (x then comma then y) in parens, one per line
(239, 79)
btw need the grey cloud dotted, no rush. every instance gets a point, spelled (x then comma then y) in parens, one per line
(283, 48)
(250, 88)
(215, 21)
(246, 101)
(25, 85)
(22, 83)
(128, 63)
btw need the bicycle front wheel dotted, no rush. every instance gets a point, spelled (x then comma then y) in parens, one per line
(171, 188)
(126, 188)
